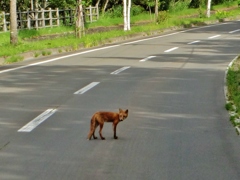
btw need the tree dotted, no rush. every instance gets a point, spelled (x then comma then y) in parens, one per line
(79, 23)
(105, 6)
(126, 14)
(156, 10)
(208, 8)
(13, 22)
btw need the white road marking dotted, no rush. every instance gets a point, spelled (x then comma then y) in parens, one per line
(120, 70)
(234, 31)
(172, 49)
(194, 42)
(108, 47)
(86, 88)
(38, 120)
(212, 37)
(145, 59)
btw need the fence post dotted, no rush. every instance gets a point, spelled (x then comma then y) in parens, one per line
(28, 20)
(4, 22)
(36, 19)
(43, 18)
(90, 13)
(97, 12)
(50, 16)
(20, 19)
(57, 14)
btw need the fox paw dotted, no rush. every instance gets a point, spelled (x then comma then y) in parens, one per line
(115, 137)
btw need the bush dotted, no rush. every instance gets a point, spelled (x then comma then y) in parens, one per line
(233, 80)
(114, 12)
(136, 10)
(178, 6)
(162, 16)
(117, 11)
(222, 14)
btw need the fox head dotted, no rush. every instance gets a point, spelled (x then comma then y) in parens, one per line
(123, 114)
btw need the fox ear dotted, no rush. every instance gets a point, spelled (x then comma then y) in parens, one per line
(126, 111)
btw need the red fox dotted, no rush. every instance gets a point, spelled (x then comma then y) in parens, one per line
(100, 117)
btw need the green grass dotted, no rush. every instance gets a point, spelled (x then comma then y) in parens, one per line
(29, 39)
(32, 33)
(12, 59)
(233, 84)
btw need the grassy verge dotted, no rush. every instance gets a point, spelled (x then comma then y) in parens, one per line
(233, 84)
(30, 40)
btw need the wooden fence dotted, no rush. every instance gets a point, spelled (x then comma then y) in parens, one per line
(46, 18)
(91, 14)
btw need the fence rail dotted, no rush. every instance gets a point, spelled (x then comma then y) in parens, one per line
(46, 18)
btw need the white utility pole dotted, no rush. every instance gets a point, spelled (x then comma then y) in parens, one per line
(126, 14)
(208, 8)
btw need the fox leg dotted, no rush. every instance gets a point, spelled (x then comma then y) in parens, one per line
(90, 135)
(93, 134)
(114, 131)
(93, 126)
(100, 131)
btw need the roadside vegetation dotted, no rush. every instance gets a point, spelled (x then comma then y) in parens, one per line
(233, 84)
(41, 41)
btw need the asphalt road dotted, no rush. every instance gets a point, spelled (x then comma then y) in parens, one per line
(172, 84)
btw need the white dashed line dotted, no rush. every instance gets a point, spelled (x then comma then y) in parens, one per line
(38, 120)
(86, 88)
(234, 31)
(172, 49)
(212, 37)
(120, 70)
(194, 42)
(150, 57)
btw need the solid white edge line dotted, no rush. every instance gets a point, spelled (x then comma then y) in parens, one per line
(86, 88)
(108, 47)
(172, 49)
(38, 120)
(145, 59)
(212, 37)
(120, 70)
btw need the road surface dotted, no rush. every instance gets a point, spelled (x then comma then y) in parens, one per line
(172, 84)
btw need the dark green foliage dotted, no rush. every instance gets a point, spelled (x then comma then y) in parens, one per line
(162, 16)
(62, 4)
(117, 11)
(114, 12)
(233, 81)
(136, 10)
(229, 107)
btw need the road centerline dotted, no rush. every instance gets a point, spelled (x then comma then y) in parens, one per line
(212, 37)
(172, 49)
(147, 58)
(103, 48)
(86, 88)
(193, 42)
(234, 31)
(37, 121)
(120, 70)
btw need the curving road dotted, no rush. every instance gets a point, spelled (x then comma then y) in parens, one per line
(172, 84)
